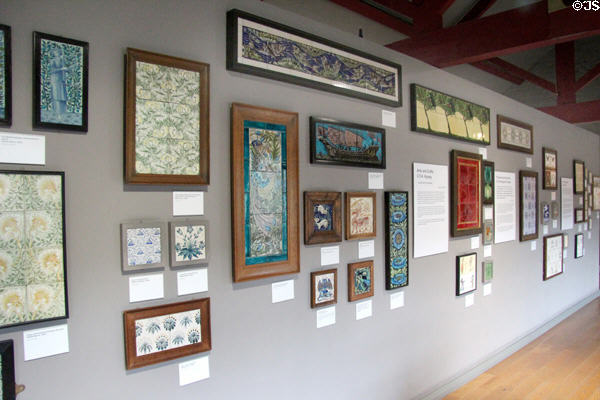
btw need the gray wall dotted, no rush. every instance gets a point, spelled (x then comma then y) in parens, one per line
(263, 350)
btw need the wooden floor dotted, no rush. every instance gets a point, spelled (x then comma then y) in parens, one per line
(562, 364)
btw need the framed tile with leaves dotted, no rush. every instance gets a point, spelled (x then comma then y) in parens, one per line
(323, 288)
(487, 182)
(361, 215)
(596, 193)
(189, 242)
(466, 193)
(466, 273)
(360, 280)
(5, 76)
(528, 205)
(144, 245)
(550, 166)
(322, 217)
(553, 255)
(514, 135)
(487, 270)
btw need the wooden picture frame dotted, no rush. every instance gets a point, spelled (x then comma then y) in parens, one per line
(596, 193)
(466, 273)
(545, 212)
(529, 217)
(466, 206)
(144, 245)
(549, 168)
(360, 210)
(553, 256)
(487, 182)
(7, 361)
(34, 247)
(579, 215)
(360, 280)
(166, 332)
(275, 145)
(60, 83)
(579, 243)
(384, 78)
(188, 242)
(514, 135)
(487, 271)
(5, 76)
(154, 116)
(322, 217)
(396, 239)
(578, 177)
(323, 292)
(488, 232)
(336, 142)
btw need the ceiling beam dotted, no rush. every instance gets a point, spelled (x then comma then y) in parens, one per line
(478, 10)
(575, 113)
(499, 72)
(588, 77)
(521, 73)
(490, 37)
(565, 73)
(377, 15)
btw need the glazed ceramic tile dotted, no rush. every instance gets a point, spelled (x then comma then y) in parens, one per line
(167, 332)
(12, 305)
(266, 234)
(265, 192)
(190, 243)
(144, 246)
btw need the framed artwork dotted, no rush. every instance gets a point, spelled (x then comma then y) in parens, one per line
(579, 215)
(488, 232)
(264, 192)
(143, 245)
(528, 205)
(578, 245)
(487, 268)
(361, 217)
(550, 161)
(585, 206)
(323, 288)
(488, 182)
(308, 60)
(166, 120)
(596, 193)
(396, 240)
(322, 217)
(360, 280)
(346, 143)
(514, 135)
(466, 273)
(578, 176)
(189, 242)
(553, 255)
(5, 76)
(466, 193)
(60, 89)
(33, 254)
(441, 114)
(555, 209)
(7, 366)
(546, 214)
(566, 241)
(162, 333)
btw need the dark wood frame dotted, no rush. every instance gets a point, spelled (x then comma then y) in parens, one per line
(7, 355)
(241, 271)
(133, 177)
(575, 163)
(347, 197)
(542, 204)
(579, 238)
(545, 269)
(333, 236)
(501, 145)
(164, 247)
(37, 120)
(458, 259)
(594, 195)
(313, 142)
(388, 261)
(485, 163)
(483, 263)
(185, 222)
(234, 65)
(546, 184)
(313, 288)
(579, 220)
(351, 268)
(454, 155)
(132, 360)
(529, 174)
(7, 120)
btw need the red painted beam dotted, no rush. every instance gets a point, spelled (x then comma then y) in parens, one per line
(401, 6)
(376, 15)
(588, 77)
(575, 112)
(437, 6)
(565, 73)
(429, 17)
(499, 72)
(520, 72)
(493, 36)
(478, 10)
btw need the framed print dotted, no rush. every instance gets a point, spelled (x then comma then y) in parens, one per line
(322, 217)
(578, 176)
(143, 245)
(549, 159)
(5, 76)
(555, 207)
(7, 366)
(60, 88)
(444, 115)
(33, 253)
(546, 214)
(488, 182)
(188, 242)
(466, 193)
(396, 240)
(553, 255)
(596, 193)
(528, 205)
(466, 273)
(166, 120)
(161, 333)
(323, 288)
(514, 135)
(579, 215)
(346, 143)
(361, 217)
(360, 280)
(487, 268)
(308, 60)
(264, 192)
(488, 232)
(578, 245)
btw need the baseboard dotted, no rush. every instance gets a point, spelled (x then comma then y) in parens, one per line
(471, 373)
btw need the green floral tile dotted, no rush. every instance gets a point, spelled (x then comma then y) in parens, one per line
(167, 84)
(43, 227)
(167, 156)
(12, 271)
(10, 197)
(266, 235)
(44, 266)
(265, 192)
(12, 305)
(12, 228)
(42, 192)
(190, 243)
(265, 150)
(45, 301)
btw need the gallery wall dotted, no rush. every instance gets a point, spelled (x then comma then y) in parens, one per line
(262, 350)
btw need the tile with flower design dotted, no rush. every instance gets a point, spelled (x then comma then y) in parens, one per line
(167, 332)
(188, 242)
(32, 247)
(143, 245)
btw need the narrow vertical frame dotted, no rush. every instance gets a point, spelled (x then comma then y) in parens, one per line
(6, 116)
(549, 171)
(471, 258)
(487, 182)
(7, 357)
(578, 180)
(396, 239)
(523, 213)
(472, 163)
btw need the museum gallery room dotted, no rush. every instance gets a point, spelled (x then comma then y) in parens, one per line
(280, 199)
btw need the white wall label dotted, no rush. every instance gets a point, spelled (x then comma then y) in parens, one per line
(282, 291)
(553, 196)
(487, 250)
(364, 309)
(366, 249)
(581, 201)
(487, 289)
(545, 229)
(505, 224)
(45, 342)
(17, 148)
(194, 371)
(375, 180)
(188, 203)
(474, 242)
(589, 235)
(388, 118)
(469, 300)
(566, 203)
(554, 224)
(528, 162)
(533, 245)
(325, 316)
(488, 213)
(192, 281)
(146, 287)
(483, 152)
(579, 228)
(330, 255)
(396, 300)
(565, 253)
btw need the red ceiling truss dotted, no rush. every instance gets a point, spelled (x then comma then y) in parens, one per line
(480, 41)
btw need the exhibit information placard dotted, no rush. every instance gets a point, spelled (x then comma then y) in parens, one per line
(566, 203)
(506, 210)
